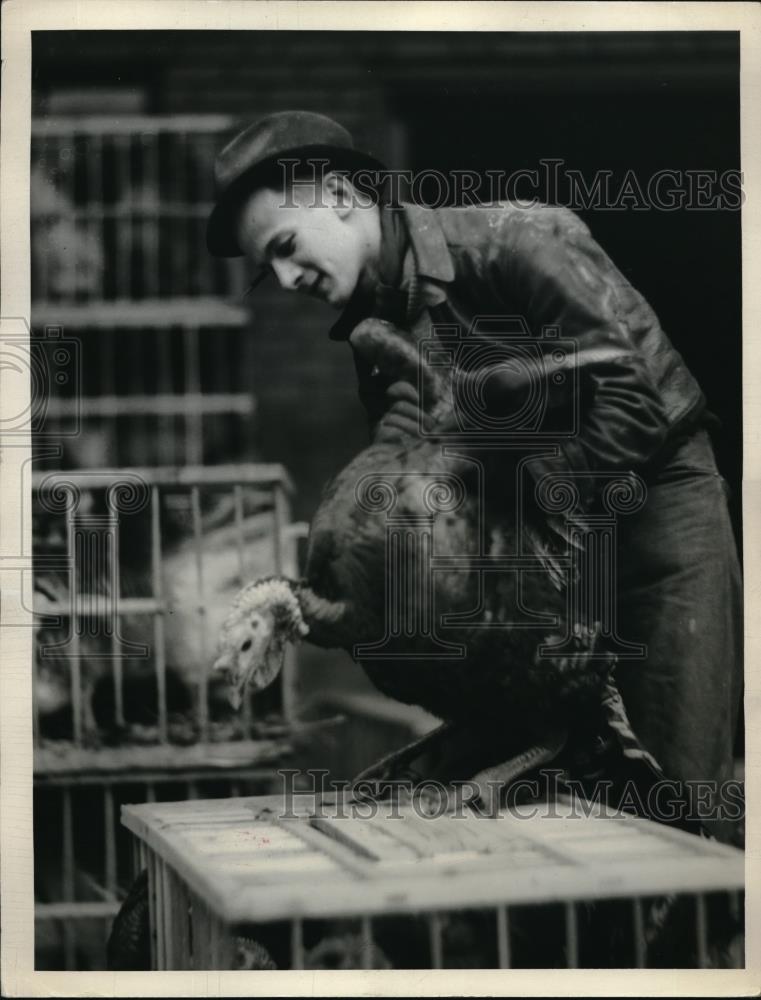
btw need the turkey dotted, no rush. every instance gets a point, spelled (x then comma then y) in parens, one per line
(184, 633)
(67, 256)
(507, 703)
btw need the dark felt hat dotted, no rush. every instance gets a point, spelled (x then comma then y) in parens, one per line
(253, 155)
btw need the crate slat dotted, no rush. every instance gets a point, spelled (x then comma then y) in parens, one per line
(270, 883)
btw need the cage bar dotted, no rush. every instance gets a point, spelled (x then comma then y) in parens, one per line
(503, 937)
(435, 940)
(203, 704)
(114, 618)
(94, 221)
(366, 942)
(40, 272)
(67, 844)
(166, 429)
(571, 935)
(152, 910)
(168, 912)
(136, 380)
(35, 700)
(193, 420)
(159, 639)
(74, 661)
(701, 931)
(240, 545)
(109, 832)
(297, 944)
(150, 213)
(640, 945)
(180, 242)
(68, 893)
(121, 145)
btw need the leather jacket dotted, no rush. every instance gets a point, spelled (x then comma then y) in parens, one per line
(541, 265)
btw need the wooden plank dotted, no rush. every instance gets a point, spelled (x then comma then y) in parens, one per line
(159, 404)
(76, 911)
(243, 838)
(99, 125)
(370, 839)
(247, 474)
(128, 313)
(260, 774)
(208, 757)
(445, 841)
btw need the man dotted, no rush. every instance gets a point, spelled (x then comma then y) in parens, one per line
(639, 409)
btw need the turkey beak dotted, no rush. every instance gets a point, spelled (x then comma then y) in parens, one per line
(223, 666)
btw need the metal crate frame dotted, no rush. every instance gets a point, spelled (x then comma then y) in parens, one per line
(190, 898)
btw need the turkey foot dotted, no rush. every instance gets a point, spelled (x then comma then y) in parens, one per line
(493, 781)
(449, 763)
(395, 766)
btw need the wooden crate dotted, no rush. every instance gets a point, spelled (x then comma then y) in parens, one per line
(216, 868)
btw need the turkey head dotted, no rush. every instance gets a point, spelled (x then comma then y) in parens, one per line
(264, 617)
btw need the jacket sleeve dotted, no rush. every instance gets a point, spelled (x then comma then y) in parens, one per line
(558, 276)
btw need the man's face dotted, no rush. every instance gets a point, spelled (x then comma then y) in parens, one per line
(312, 245)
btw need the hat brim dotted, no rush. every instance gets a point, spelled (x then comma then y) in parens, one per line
(221, 238)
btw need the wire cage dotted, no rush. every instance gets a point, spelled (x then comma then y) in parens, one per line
(134, 572)
(161, 351)
(119, 209)
(315, 882)
(163, 383)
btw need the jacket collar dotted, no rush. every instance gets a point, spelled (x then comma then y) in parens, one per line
(429, 243)
(428, 257)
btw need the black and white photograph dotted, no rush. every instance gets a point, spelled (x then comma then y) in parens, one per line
(378, 544)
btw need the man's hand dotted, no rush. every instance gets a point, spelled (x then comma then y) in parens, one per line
(404, 419)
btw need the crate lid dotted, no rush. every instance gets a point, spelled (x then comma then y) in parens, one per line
(270, 858)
